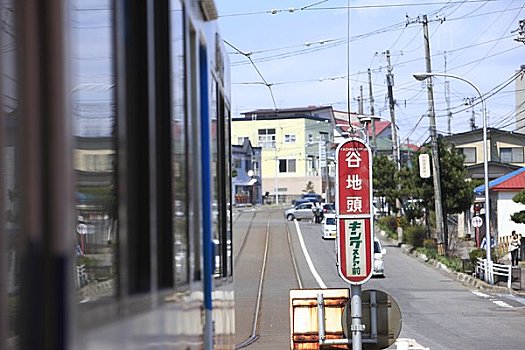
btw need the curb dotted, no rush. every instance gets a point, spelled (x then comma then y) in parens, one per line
(463, 278)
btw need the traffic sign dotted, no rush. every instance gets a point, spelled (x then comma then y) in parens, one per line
(477, 221)
(424, 166)
(353, 208)
(82, 229)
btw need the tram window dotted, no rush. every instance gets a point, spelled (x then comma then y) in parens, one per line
(95, 152)
(11, 242)
(180, 145)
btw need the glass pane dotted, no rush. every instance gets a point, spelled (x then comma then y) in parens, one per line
(94, 150)
(179, 140)
(10, 171)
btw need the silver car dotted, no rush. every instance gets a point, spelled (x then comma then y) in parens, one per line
(302, 211)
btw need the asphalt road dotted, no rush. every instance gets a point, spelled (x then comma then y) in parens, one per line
(438, 312)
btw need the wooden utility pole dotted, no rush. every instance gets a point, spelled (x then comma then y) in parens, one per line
(372, 112)
(392, 105)
(360, 101)
(395, 148)
(440, 231)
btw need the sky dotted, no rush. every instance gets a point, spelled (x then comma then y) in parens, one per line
(286, 53)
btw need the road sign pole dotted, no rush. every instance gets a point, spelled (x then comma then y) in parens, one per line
(356, 311)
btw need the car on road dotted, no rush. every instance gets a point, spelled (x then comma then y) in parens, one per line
(329, 226)
(328, 208)
(379, 264)
(301, 211)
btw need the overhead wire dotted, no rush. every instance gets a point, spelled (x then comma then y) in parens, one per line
(264, 82)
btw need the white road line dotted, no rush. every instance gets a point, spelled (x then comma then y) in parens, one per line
(307, 256)
(502, 303)
(479, 294)
(495, 301)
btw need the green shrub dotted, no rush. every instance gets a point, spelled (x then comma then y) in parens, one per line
(387, 223)
(475, 254)
(415, 235)
(453, 263)
(430, 243)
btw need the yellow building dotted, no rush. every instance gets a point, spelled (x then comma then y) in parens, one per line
(294, 144)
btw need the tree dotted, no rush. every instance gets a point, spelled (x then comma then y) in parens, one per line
(456, 192)
(309, 187)
(519, 217)
(384, 180)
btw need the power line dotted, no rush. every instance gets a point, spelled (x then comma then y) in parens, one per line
(248, 56)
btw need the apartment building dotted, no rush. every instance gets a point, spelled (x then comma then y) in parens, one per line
(294, 143)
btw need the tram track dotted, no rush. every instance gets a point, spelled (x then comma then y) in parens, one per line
(254, 335)
(245, 237)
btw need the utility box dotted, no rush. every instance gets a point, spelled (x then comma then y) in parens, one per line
(303, 317)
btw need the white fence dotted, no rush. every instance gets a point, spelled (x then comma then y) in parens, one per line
(488, 271)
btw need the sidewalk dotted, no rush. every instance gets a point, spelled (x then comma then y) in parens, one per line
(469, 280)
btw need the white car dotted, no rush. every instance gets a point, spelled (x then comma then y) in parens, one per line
(379, 264)
(329, 226)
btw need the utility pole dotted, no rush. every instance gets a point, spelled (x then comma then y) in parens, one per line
(447, 99)
(360, 101)
(469, 101)
(372, 112)
(395, 148)
(521, 31)
(440, 231)
(392, 104)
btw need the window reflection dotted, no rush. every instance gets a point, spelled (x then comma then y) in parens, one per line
(10, 170)
(179, 140)
(94, 151)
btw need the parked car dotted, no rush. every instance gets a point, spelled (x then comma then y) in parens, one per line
(315, 196)
(329, 226)
(328, 208)
(301, 211)
(296, 202)
(379, 264)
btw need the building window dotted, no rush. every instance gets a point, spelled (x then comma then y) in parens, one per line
(323, 136)
(310, 166)
(289, 138)
(287, 165)
(240, 140)
(236, 163)
(266, 138)
(310, 138)
(511, 154)
(469, 153)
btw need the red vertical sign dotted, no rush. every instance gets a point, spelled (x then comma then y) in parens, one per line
(353, 206)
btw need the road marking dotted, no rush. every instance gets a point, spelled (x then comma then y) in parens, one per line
(307, 257)
(495, 301)
(502, 304)
(479, 294)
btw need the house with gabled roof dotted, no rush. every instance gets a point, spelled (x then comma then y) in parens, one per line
(506, 153)
(246, 180)
(501, 191)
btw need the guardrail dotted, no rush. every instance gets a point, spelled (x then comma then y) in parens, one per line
(488, 271)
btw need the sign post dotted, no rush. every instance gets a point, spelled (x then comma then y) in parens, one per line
(354, 224)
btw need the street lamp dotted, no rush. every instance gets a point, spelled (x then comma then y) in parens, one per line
(423, 76)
